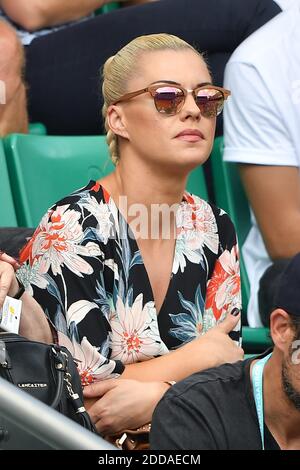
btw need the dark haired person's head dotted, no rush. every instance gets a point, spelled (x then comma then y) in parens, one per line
(285, 329)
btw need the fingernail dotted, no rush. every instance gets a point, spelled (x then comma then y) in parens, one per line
(235, 312)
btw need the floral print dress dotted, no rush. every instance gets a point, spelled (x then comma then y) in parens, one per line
(84, 267)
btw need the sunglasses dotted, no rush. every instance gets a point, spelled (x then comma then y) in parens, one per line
(169, 99)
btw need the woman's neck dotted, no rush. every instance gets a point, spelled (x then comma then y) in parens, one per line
(148, 185)
(143, 193)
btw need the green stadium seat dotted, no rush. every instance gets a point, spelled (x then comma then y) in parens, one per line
(8, 216)
(196, 183)
(256, 340)
(107, 8)
(37, 128)
(230, 196)
(43, 169)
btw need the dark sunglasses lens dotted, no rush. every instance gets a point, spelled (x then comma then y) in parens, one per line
(210, 102)
(168, 99)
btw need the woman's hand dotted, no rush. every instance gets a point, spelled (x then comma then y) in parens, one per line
(9, 259)
(216, 345)
(209, 350)
(8, 282)
(117, 404)
(33, 322)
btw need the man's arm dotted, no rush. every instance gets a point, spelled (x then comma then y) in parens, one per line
(258, 138)
(274, 195)
(184, 421)
(36, 14)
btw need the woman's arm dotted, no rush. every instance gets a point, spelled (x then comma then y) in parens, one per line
(124, 404)
(274, 195)
(118, 404)
(33, 322)
(130, 403)
(210, 350)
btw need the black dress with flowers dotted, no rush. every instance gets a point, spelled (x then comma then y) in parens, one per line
(84, 267)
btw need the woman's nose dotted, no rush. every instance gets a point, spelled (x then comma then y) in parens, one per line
(190, 108)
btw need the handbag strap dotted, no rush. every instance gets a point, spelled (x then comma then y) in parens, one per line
(63, 376)
(60, 361)
(257, 383)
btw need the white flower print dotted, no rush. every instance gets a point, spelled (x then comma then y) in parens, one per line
(29, 275)
(102, 213)
(224, 287)
(57, 240)
(135, 336)
(91, 364)
(196, 224)
(196, 228)
(78, 311)
(113, 266)
(229, 291)
(183, 252)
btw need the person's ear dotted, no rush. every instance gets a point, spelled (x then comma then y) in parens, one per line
(116, 121)
(281, 329)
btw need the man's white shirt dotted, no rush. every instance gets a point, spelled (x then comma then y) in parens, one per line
(262, 117)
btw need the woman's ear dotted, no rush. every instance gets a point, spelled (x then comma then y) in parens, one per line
(281, 329)
(116, 121)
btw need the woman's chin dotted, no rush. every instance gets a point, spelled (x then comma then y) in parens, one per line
(192, 159)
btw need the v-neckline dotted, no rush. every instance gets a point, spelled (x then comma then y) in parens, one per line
(107, 195)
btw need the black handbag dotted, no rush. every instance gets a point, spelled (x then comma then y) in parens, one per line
(45, 371)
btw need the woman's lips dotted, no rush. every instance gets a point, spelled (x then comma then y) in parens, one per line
(190, 135)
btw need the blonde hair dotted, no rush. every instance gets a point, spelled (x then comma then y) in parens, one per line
(119, 68)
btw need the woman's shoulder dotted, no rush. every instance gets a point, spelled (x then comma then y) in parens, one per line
(91, 190)
(196, 203)
(207, 217)
(90, 198)
(77, 223)
(88, 207)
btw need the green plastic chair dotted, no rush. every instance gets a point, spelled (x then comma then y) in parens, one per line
(8, 216)
(230, 196)
(256, 340)
(107, 8)
(37, 128)
(196, 183)
(43, 169)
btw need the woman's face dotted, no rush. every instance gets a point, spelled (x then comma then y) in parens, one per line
(155, 136)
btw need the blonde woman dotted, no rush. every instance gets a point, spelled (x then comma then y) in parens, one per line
(128, 289)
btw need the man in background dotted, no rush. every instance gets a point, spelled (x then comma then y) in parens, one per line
(216, 409)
